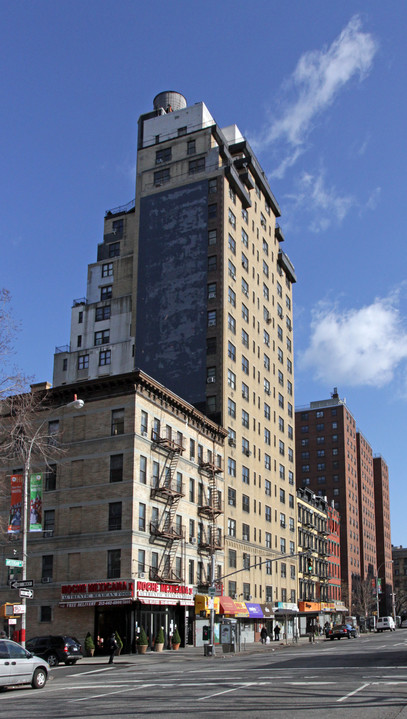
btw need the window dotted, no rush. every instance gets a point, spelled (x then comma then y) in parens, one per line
(231, 408)
(232, 244)
(49, 520)
(265, 247)
(232, 559)
(102, 313)
(212, 318)
(83, 362)
(266, 293)
(245, 475)
(53, 432)
(117, 426)
(116, 468)
(212, 263)
(281, 448)
(268, 566)
(212, 186)
(245, 365)
(141, 561)
(51, 478)
(245, 262)
(197, 165)
(115, 516)
(47, 566)
(267, 461)
(212, 211)
(102, 337)
(114, 249)
(231, 497)
(266, 410)
(191, 147)
(265, 268)
(245, 532)
(245, 503)
(231, 297)
(245, 312)
(232, 219)
(212, 237)
(105, 357)
(161, 177)
(282, 496)
(245, 419)
(107, 269)
(231, 270)
(113, 563)
(163, 155)
(232, 351)
(231, 323)
(45, 613)
(283, 569)
(282, 471)
(282, 545)
(106, 292)
(268, 540)
(231, 527)
(211, 345)
(267, 513)
(245, 216)
(231, 379)
(245, 238)
(142, 517)
(266, 338)
(143, 470)
(267, 487)
(231, 467)
(245, 391)
(267, 436)
(245, 338)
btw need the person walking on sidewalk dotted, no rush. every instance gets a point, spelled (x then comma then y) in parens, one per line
(112, 646)
(263, 635)
(277, 632)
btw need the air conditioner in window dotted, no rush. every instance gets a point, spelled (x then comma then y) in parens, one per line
(268, 320)
(247, 452)
(210, 380)
(46, 580)
(250, 597)
(234, 596)
(141, 575)
(232, 442)
(212, 323)
(267, 391)
(245, 292)
(144, 434)
(211, 295)
(193, 540)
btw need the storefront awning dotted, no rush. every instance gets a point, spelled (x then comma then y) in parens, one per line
(254, 611)
(268, 611)
(227, 606)
(241, 610)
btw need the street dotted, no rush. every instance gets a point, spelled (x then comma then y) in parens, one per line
(364, 677)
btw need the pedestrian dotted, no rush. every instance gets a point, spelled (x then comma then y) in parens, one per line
(112, 645)
(276, 633)
(263, 635)
(3, 635)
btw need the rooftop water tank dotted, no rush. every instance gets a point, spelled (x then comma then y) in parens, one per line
(169, 99)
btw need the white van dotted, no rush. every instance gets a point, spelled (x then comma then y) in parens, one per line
(385, 623)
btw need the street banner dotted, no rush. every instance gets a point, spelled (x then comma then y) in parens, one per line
(36, 503)
(16, 503)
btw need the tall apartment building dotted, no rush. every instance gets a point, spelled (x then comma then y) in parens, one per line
(383, 535)
(336, 461)
(192, 286)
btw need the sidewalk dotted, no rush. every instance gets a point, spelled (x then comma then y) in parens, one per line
(193, 653)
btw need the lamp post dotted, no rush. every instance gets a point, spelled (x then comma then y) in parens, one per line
(76, 404)
(390, 561)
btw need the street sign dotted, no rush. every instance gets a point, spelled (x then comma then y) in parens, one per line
(28, 593)
(14, 563)
(211, 591)
(20, 583)
(19, 609)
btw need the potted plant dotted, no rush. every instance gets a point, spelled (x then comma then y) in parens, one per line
(142, 642)
(159, 640)
(89, 645)
(119, 643)
(176, 639)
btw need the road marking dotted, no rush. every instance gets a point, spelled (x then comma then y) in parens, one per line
(308, 684)
(93, 671)
(351, 694)
(227, 691)
(108, 694)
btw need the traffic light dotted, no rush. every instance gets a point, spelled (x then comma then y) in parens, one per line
(309, 565)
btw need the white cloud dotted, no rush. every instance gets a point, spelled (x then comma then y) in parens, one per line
(316, 81)
(358, 346)
(325, 203)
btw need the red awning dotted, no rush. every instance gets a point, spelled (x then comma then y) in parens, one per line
(227, 606)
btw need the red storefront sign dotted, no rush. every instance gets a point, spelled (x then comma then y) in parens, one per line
(91, 594)
(159, 593)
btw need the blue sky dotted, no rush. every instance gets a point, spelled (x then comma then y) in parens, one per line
(319, 89)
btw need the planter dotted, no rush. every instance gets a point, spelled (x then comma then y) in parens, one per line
(158, 647)
(90, 652)
(176, 646)
(142, 648)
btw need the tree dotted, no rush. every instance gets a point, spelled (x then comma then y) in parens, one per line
(10, 382)
(363, 596)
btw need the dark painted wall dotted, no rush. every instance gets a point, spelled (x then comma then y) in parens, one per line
(171, 302)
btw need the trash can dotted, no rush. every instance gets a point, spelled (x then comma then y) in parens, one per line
(208, 650)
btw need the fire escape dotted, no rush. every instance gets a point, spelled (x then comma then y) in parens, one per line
(210, 507)
(167, 529)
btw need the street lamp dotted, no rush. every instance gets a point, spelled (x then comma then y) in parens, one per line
(389, 561)
(76, 404)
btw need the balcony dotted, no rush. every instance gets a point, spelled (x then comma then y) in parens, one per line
(209, 466)
(167, 443)
(167, 531)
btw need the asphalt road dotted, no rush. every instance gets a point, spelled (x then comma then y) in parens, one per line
(364, 677)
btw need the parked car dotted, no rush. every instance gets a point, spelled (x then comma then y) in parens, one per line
(56, 649)
(385, 623)
(19, 666)
(403, 624)
(341, 630)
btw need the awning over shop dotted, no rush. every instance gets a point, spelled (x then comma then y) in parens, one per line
(308, 607)
(241, 610)
(254, 611)
(268, 611)
(285, 609)
(227, 606)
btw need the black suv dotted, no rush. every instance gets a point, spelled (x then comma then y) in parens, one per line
(55, 649)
